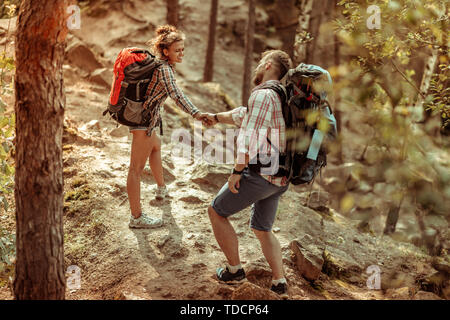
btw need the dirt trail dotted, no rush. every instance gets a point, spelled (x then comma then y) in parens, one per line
(178, 260)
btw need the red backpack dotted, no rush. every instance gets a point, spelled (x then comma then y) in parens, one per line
(133, 71)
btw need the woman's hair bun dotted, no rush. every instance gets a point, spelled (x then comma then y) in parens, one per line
(166, 35)
(166, 29)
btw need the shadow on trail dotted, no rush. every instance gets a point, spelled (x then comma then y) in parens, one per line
(165, 253)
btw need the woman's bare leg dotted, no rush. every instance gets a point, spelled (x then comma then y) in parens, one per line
(141, 147)
(155, 160)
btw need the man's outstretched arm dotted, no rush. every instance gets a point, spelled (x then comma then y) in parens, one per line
(234, 116)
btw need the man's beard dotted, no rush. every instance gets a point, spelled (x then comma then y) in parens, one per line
(257, 78)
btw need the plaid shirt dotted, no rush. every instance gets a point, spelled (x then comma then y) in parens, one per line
(263, 119)
(163, 84)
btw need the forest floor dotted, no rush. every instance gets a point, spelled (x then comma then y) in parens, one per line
(178, 260)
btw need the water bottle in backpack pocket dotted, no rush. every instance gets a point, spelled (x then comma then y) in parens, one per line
(303, 94)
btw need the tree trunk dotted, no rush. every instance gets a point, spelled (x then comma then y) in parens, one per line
(209, 62)
(301, 38)
(249, 40)
(39, 108)
(430, 66)
(392, 217)
(312, 13)
(173, 8)
(285, 20)
(336, 94)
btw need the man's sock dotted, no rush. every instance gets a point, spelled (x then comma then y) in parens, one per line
(234, 269)
(278, 281)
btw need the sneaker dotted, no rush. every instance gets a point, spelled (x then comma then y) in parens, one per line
(281, 290)
(224, 275)
(161, 193)
(145, 221)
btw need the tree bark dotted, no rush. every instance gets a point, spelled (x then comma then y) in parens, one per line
(39, 108)
(312, 13)
(249, 41)
(428, 71)
(173, 8)
(209, 62)
(392, 217)
(285, 20)
(300, 46)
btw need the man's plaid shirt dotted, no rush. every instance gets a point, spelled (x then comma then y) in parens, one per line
(163, 84)
(263, 119)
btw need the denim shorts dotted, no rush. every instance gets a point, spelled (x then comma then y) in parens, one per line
(253, 190)
(139, 128)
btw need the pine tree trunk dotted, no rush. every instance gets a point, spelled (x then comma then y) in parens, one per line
(249, 40)
(209, 62)
(392, 217)
(430, 66)
(300, 46)
(336, 93)
(39, 108)
(173, 8)
(312, 14)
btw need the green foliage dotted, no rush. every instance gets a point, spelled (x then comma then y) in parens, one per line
(9, 8)
(7, 131)
(408, 157)
(7, 127)
(7, 257)
(6, 148)
(7, 248)
(406, 27)
(439, 101)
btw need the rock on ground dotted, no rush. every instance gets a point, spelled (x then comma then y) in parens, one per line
(308, 257)
(250, 291)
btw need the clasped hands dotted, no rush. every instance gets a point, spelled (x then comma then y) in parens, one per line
(208, 119)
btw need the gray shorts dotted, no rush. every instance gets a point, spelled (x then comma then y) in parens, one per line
(255, 190)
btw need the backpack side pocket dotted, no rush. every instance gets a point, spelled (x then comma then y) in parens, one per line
(133, 111)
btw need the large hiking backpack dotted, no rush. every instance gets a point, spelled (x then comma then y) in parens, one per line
(303, 92)
(133, 70)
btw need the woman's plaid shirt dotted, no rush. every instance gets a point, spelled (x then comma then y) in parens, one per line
(163, 84)
(263, 119)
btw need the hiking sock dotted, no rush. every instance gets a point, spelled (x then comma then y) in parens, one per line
(278, 281)
(234, 269)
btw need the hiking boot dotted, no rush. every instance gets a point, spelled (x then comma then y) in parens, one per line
(161, 193)
(281, 290)
(145, 222)
(224, 275)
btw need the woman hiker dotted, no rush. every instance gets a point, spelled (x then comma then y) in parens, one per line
(168, 46)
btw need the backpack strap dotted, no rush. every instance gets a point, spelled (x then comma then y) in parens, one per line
(138, 85)
(282, 157)
(139, 51)
(278, 88)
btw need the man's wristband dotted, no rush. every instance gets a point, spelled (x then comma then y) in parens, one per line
(237, 172)
(216, 117)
